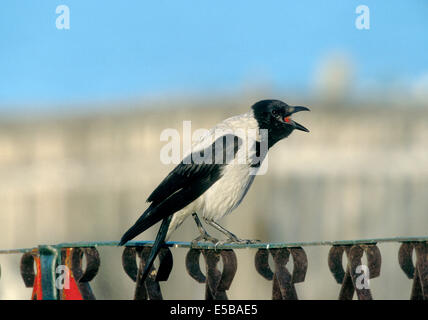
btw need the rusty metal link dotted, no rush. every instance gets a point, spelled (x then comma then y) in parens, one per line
(418, 271)
(348, 278)
(216, 282)
(27, 269)
(73, 259)
(283, 281)
(43, 283)
(150, 289)
(29, 261)
(42, 280)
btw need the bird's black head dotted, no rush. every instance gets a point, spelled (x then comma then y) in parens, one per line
(275, 116)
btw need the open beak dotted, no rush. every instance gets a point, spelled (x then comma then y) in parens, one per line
(296, 125)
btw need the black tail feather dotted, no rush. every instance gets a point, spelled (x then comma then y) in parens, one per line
(160, 240)
(146, 220)
(134, 231)
(177, 201)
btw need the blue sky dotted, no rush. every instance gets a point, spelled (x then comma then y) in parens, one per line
(127, 49)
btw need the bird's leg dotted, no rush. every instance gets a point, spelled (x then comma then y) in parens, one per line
(231, 237)
(204, 234)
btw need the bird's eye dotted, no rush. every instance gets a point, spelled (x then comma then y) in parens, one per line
(275, 112)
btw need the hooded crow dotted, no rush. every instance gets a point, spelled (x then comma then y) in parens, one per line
(215, 176)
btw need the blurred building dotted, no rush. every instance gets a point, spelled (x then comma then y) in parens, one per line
(361, 172)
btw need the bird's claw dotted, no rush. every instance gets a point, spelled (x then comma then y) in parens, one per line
(245, 241)
(203, 238)
(235, 241)
(253, 241)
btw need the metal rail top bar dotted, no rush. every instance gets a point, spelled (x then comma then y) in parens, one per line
(208, 245)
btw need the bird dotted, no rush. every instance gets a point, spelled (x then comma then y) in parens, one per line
(214, 177)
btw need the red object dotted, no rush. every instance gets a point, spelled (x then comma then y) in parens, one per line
(73, 291)
(70, 293)
(37, 287)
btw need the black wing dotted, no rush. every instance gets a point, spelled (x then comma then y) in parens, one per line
(189, 180)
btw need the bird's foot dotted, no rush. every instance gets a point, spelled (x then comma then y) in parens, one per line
(248, 241)
(205, 237)
(236, 241)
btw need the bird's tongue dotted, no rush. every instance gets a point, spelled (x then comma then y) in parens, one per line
(287, 119)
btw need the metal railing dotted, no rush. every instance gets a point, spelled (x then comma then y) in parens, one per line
(39, 267)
